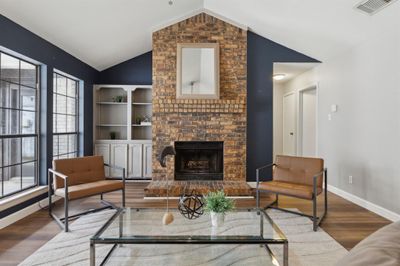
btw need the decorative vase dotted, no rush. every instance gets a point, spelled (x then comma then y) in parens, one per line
(217, 219)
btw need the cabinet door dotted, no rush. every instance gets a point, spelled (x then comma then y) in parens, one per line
(103, 149)
(135, 160)
(119, 154)
(147, 160)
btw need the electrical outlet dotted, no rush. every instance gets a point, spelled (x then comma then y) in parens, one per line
(350, 179)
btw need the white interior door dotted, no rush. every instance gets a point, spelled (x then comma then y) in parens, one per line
(289, 124)
(308, 122)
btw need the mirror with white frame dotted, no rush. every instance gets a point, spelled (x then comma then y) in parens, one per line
(197, 71)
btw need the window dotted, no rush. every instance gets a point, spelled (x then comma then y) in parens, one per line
(19, 107)
(65, 116)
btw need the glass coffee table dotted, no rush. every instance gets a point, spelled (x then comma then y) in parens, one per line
(144, 228)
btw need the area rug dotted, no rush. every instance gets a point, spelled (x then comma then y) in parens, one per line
(306, 248)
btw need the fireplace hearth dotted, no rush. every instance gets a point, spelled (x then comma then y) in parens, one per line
(199, 160)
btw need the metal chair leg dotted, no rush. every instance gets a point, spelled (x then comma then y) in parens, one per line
(49, 190)
(66, 213)
(123, 197)
(315, 218)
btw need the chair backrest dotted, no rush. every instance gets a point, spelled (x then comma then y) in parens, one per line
(79, 170)
(298, 170)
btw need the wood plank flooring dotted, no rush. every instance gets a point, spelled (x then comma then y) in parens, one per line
(346, 222)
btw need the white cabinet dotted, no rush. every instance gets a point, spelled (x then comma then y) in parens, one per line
(135, 165)
(104, 150)
(119, 157)
(147, 160)
(135, 157)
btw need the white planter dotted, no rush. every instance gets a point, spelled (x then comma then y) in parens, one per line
(217, 219)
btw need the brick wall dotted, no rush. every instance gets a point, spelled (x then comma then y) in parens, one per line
(201, 120)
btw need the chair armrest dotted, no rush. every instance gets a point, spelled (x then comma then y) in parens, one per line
(114, 166)
(323, 173)
(118, 168)
(260, 168)
(58, 174)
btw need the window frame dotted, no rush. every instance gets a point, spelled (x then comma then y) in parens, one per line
(57, 135)
(20, 135)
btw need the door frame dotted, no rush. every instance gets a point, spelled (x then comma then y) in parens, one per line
(295, 119)
(314, 86)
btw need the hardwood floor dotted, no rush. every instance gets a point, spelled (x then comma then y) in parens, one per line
(346, 222)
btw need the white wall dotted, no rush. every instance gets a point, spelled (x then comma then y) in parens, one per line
(363, 137)
(308, 125)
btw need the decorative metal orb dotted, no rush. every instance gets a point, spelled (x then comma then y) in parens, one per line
(191, 205)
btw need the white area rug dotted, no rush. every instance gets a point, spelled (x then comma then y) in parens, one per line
(306, 248)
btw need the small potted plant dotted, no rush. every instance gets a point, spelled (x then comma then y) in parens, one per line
(218, 205)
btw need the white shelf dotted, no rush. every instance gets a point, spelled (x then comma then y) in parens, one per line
(141, 103)
(111, 125)
(112, 103)
(137, 125)
(119, 118)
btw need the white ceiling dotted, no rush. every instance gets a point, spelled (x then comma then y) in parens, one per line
(103, 33)
(292, 70)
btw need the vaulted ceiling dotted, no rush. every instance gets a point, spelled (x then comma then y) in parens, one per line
(103, 33)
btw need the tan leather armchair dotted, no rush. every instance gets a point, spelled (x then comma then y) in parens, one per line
(297, 177)
(82, 177)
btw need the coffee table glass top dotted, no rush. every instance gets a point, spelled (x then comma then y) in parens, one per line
(145, 226)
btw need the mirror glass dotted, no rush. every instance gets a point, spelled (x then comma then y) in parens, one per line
(198, 72)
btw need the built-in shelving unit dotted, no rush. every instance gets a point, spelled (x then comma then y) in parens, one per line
(122, 127)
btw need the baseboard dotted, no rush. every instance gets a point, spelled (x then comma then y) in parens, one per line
(392, 216)
(12, 218)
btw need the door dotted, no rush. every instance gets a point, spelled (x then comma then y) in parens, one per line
(135, 161)
(103, 149)
(289, 124)
(308, 122)
(147, 161)
(119, 154)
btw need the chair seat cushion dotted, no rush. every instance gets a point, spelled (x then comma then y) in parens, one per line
(290, 189)
(90, 189)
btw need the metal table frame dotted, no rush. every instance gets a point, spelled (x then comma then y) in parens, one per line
(184, 239)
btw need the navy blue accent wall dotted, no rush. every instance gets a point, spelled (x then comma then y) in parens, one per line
(136, 71)
(261, 55)
(20, 40)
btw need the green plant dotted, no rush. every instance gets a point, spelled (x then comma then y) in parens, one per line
(218, 202)
(118, 99)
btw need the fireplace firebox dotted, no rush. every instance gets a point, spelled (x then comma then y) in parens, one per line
(199, 160)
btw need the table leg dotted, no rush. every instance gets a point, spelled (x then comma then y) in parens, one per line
(92, 254)
(286, 254)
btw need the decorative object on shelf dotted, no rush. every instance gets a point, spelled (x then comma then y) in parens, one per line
(162, 159)
(113, 135)
(138, 120)
(146, 121)
(119, 99)
(191, 205)
(218, 205)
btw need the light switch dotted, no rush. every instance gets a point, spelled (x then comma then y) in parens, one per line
(334, 108)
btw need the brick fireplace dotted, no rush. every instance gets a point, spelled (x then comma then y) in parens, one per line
(223, 121)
